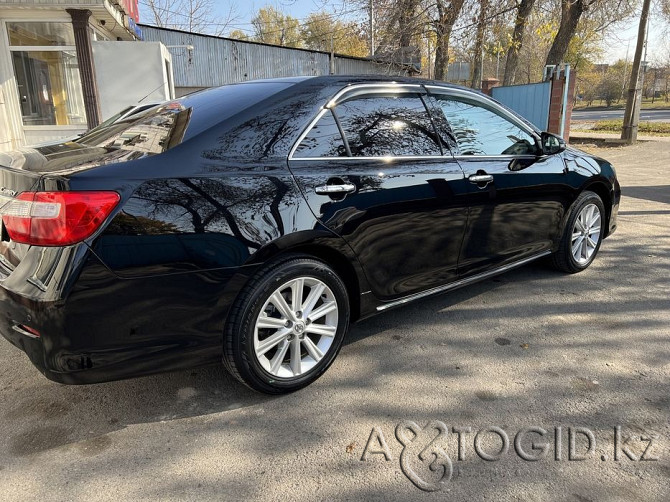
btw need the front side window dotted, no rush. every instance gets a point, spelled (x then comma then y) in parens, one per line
(47, 73)
(480, 131)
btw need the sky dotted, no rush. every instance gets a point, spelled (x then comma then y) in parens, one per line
(623, 42)
(619, 43)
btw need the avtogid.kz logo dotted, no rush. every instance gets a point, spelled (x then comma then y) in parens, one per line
(426, 463)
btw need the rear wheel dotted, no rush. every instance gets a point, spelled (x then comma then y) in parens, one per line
(582, 235)
(287, 326)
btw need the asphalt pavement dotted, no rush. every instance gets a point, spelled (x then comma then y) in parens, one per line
(645, 115)
(533, 386)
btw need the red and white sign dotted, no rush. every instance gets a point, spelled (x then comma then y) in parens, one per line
(131, 9)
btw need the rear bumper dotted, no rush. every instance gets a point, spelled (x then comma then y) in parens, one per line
(109, 328)
(16, 310)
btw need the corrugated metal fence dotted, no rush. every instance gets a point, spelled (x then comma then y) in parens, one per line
(530, 101)
(215, 61)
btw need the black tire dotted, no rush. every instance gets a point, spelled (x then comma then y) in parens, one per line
(239, 356)
(563, 258)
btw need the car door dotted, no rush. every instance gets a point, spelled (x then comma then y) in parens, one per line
(373, 170)
(517, 197)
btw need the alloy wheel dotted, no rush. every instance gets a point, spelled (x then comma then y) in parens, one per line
(586, 234)
(296, 327)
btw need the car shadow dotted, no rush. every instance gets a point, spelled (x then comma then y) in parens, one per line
(50, 415)
(656, 193)
(98, 409)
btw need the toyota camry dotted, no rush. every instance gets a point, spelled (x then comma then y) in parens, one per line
(252, 224)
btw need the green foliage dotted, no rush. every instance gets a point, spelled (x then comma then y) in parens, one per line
(239, 35)
(643, 127)
(609, 90)
(320, 31)
(273, 27)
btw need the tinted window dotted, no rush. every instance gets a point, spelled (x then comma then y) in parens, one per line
(480, 131)
(387, 125)
(323, 140)
(147, 133)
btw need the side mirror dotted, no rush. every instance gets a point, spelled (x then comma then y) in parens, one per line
(551, 144)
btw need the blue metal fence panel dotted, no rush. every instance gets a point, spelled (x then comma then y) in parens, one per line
(531, 101)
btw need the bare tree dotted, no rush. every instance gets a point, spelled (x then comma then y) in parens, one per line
(522, 14)
(604, 13)
(571, 12)
(197, 16)
(479, 45)
(447, 14)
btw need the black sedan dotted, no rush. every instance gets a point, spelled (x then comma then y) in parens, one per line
(253, 223)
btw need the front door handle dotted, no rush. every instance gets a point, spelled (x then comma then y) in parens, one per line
(480, 178)
(335, 189)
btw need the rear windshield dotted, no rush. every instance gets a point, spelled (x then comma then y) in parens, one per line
(149, 132)
(164, 126)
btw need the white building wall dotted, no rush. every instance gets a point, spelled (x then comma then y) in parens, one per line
(13, 133)
(128, 72)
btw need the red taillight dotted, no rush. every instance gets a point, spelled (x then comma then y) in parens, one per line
(56, 218)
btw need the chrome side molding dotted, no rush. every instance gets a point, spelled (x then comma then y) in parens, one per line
(462, 282)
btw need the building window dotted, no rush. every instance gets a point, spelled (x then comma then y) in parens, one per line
(47, 73)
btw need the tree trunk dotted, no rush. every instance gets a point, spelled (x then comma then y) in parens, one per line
(524, 10)
(479, 45)
(571, 12)
(447, 16)
(406, 22)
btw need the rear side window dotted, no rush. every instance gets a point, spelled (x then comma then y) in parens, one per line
(374, 125)
(323, 140)
(381, 126)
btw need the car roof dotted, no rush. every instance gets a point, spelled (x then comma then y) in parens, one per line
(372, 78)
(343, 80)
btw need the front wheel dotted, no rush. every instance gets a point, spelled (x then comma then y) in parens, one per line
(287, 326)
(583, 234)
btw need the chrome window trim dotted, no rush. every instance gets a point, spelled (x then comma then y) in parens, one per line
(503, 112)
(389, 158)
(385, 158)
(337, 98)
(495, 157)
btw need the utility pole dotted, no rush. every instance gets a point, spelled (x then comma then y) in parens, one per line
(372, 28)
(332, 54)
(625, 71)
(632, 114)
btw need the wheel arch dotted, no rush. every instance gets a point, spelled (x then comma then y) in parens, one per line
(326, 247)
(601, 189)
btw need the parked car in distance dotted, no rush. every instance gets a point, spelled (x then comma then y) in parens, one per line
(251, 224)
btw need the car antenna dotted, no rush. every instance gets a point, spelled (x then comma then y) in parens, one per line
(151, 92)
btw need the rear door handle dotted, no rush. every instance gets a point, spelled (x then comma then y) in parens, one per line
(335, 189)
(480, 178)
